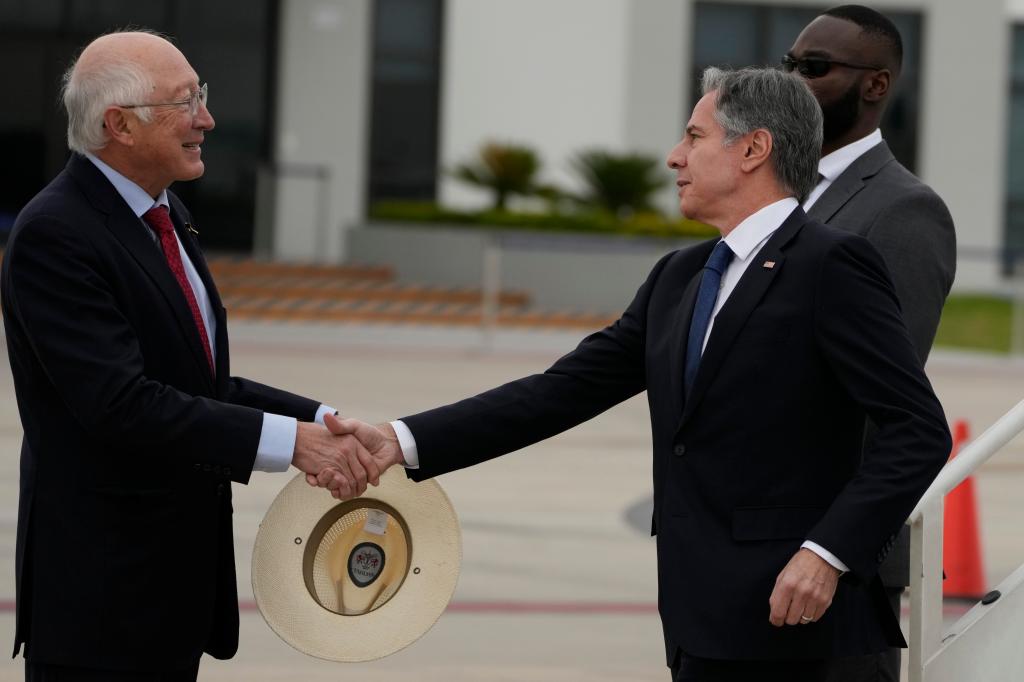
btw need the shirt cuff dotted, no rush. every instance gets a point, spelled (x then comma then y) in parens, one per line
(277, 443)
(828, 556)
(321, 411)
(407, 443)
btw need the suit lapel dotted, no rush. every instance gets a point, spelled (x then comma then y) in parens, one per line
(681, 322)
(730, 320)
(849, 182)
(195, 254)
(133, 235)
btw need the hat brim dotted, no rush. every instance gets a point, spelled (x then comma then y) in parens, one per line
(298, 618)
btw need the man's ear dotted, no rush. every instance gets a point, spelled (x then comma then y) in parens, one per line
(120, 127)
(757, 149)
(876, 86)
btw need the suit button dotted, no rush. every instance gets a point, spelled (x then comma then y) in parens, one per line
(679, 450)
(206, 467)
(220, 490)
(227, 471)
(197, 466)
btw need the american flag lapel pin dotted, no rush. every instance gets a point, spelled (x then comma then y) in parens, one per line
(768, 264)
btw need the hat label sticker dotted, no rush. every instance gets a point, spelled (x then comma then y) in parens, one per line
(365, 563)
(376, 522)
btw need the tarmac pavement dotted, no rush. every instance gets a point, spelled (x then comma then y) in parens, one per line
(556, 583)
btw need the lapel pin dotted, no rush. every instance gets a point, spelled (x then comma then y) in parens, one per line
(191, 229)
(768, 264)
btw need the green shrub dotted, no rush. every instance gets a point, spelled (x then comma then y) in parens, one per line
(620, 183)
(639, 224)
(503, 169)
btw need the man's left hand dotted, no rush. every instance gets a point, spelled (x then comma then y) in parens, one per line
(803, 591)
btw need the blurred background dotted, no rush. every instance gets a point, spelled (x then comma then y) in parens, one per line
(365, 131)
(406, 201)
(428, 136)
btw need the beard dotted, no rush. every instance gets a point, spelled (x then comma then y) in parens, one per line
(841, 115)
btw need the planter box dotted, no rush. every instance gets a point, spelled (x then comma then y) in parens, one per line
(572, 271)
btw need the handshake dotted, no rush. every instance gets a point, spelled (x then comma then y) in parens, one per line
(346, 455)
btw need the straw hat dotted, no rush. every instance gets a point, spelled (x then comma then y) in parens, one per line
(356, 580)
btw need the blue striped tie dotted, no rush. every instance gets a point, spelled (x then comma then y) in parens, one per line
(710, 282)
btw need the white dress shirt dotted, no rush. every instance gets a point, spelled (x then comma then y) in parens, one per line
(831, 166)
(745, 240)
(277, 435)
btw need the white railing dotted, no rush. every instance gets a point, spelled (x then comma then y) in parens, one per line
(986, 644)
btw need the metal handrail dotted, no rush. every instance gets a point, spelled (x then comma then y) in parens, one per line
(927, 640)
(971, 457)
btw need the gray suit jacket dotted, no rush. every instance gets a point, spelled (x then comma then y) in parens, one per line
(878, 198)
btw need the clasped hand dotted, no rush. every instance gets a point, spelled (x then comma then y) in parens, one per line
(346, 455)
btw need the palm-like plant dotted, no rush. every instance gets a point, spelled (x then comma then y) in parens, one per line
(620, 183)
(503, 169)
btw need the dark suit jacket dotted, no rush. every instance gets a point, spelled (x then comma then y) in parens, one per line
(877, 198)
(766, 450)
(124, 551)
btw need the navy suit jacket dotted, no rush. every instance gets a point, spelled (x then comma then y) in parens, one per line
(764, 453)
(879, 199)
(124, 552)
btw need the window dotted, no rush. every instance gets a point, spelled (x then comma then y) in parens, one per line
(1014, 236)
(406, 87)
(231, 43)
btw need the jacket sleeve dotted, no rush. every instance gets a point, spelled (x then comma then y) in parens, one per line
(915, 235)
(864, 341)
(253, 394)
(606, 368)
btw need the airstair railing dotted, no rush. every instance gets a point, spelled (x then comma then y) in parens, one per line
(929, 643)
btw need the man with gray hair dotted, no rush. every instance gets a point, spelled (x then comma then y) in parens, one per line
(134, 427)
(761, 354)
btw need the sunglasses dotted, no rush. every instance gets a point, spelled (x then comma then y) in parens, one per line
(816, 67)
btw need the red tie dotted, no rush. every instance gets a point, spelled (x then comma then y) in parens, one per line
(158, 219)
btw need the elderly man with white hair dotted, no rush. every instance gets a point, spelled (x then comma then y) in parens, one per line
(134, 426)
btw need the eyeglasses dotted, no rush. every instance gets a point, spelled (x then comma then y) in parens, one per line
(816, 67)
(194, 100)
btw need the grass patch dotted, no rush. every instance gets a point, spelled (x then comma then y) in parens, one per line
(976, 323)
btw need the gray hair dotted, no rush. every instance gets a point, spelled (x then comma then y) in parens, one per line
(87, 95)
(781, 103)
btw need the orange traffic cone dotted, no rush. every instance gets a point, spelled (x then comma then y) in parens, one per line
(961, 546)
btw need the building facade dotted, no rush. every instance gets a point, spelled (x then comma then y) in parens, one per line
(325, 106)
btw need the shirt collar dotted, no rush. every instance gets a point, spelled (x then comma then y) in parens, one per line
(831, 166)
(757, 227)
(138, 199)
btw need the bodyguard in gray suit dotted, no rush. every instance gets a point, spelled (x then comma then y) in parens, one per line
(850, 57)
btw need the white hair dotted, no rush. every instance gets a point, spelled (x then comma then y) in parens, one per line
(89, 92)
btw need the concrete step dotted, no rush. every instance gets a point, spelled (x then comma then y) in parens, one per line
(244, 266)
(318, 288)
(271, 291)
(276, 308)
